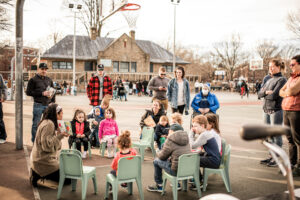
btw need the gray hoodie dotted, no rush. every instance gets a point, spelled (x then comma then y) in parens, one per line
(176, 145)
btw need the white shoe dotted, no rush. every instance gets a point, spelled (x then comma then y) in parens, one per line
(83, 154)
(2, 141)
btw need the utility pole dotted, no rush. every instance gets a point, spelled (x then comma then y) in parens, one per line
(19, 75)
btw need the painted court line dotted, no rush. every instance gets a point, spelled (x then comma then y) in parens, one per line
(35, 190)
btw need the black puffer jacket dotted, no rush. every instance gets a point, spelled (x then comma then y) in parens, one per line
(272, 102)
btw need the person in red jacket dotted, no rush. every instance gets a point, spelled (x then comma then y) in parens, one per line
(124, 144)
(99, 86)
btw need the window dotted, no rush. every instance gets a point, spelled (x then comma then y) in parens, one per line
(151, 67)
(124, 67)
(55, 65)
(88, 66)
(69, 65)
(169, 68)
(62, 65)
(133, 67)
(116, 66)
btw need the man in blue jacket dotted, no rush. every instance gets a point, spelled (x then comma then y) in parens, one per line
(205, 102)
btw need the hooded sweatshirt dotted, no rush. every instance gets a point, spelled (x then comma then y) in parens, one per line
(176, 145)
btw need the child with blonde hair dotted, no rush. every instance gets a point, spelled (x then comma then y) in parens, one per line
(109, 131)
(176, 118)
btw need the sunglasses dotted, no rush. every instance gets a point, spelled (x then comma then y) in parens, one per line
(163, 74)
(292, 65)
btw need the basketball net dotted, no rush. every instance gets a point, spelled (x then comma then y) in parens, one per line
(131, 13)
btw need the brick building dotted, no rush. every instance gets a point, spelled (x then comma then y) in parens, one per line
(124, 56)
(8, 52)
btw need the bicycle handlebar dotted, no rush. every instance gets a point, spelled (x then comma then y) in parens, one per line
(257, 131)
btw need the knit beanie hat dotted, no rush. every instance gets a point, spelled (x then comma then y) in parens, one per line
(176, 127)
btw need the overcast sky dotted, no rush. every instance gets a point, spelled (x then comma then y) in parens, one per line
(199, 22)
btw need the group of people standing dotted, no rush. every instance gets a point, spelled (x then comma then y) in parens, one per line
(282, 106)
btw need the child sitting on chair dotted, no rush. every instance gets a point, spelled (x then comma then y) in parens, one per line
(124, 144)
(81, 131)
(212, 157)
(109, 131)
(161, 131)
(176, 118)
(95, 118)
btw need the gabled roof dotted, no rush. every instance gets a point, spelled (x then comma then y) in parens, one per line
(87, 49)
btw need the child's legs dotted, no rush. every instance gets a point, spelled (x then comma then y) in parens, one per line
(78, 144)
(85, 142)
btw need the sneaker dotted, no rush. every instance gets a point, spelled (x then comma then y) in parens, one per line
(191, 181)
(83, 154)
(272, 163)
(265, 161)
(178, 186)
(2, 141)
(193, 186)
(154, 188)
(33, 179)
(124, 185)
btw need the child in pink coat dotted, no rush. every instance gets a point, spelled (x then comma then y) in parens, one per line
(109, 131)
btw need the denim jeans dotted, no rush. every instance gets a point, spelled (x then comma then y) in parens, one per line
(159, 165)
(38, 110)
(2, 126)
(94, 134)
(275, 118)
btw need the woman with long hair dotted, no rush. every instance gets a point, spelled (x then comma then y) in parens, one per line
(43, 158)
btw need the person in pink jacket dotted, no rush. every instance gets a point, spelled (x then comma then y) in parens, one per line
(109, 131)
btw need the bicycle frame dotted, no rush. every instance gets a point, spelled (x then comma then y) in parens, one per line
(284, 166)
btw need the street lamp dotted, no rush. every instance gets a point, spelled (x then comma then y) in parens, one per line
(175, 3)
(75, 8)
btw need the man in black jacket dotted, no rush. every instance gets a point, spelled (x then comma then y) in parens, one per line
(38, 88)
(3, 97)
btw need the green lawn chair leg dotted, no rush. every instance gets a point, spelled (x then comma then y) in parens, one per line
(226, 181)
(205, 172)
(164, 185)
(60, 186)
(84, 183)
(174, 188)
(95, 183)
(197, 183)
(142, 152)
(102, 148)
(184, 185)
(115, 188)
(129, 188)
(153, 151)
(89, 148)
(140, 188)
(73, 183)
(73, 145)
(106, 190)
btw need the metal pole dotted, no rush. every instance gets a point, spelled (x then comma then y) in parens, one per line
(174, 58)
(19, 75)
(12, 77)
(74, 52)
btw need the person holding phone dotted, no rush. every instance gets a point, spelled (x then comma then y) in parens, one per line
(159, 85)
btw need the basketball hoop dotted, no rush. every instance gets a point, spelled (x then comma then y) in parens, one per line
(131, 12)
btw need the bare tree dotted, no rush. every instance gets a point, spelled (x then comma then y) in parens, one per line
(293, 23)
(267, 50)
(229, 53)
(5, 24)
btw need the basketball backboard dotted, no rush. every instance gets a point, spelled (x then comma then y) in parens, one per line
(111, 8)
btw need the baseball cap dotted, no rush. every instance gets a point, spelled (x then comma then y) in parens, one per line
(100, 67)
(43, 65)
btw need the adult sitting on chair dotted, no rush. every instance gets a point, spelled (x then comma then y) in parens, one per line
(176, 145)
(205, 102)
(43, 158)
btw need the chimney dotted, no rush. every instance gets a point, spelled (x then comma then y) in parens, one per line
(93, 33)
(132, 34)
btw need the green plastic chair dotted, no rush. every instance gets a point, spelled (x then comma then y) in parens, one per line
(103, 147)
(223, 169)
(70, 166)
(146, 141)
(129, 170)
(184, 173)
(89, 148)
